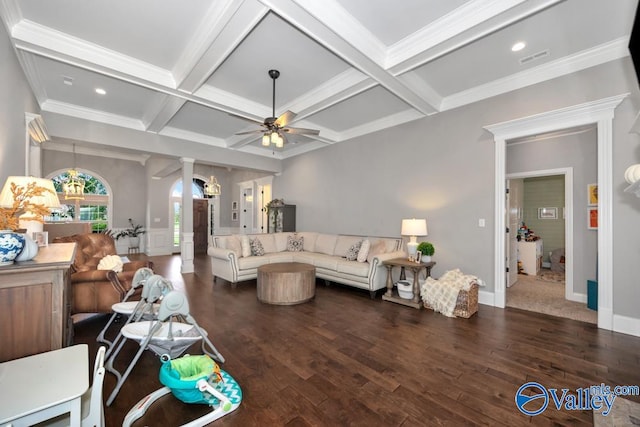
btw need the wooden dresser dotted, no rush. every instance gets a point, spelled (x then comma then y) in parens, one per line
(35, 302)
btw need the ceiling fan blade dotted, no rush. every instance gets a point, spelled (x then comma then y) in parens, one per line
(248, 132)
(285, 118)
(301, 131)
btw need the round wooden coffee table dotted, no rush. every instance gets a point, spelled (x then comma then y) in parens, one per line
(286, 283)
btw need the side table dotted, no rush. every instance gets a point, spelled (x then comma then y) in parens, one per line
(415, 267)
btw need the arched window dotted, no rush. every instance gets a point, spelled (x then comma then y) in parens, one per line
(95, 206)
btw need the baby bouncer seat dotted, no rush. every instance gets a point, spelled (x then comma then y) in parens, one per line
(193, 379)
(168, 336)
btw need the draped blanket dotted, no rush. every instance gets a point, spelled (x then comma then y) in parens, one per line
(441, 295)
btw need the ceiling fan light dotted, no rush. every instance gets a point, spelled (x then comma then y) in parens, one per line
(266, 140)
(274, 137)
(280, 142)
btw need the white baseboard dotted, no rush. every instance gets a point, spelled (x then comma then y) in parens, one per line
(626, 325)
(486, 298)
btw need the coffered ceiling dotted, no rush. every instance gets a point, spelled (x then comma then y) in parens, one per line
(198, 70)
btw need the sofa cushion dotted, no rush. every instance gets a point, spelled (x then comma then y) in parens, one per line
(280, 257)
(344, 243)
(245, 245)
(295, 243)
(364, 250)
(256, 247)
(309, 240)
(353, 267)
(233, 244)
(281, 240)
(352, 253)
(326, 243)
(268, 242)
(250, 262)
(329, 262)
(377, 248)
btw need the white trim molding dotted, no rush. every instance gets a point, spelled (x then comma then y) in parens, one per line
(601, 113)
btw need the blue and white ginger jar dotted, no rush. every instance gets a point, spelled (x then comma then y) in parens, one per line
(11, 245)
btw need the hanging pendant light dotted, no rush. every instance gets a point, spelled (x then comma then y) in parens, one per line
(73, 186)
(212, 188)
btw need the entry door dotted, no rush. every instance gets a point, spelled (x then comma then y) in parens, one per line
(200, 225)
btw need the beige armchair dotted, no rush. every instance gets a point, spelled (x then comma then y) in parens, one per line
(93, 290)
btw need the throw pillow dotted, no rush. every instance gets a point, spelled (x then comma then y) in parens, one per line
(245, 245)
(352, 252)
(111, 262)
(256, 247)
(364, 251)
(295, 243)
(376, 249)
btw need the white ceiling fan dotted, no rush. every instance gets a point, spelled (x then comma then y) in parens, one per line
(274, 129)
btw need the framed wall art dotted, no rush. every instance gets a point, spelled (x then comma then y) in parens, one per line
(547, 213)
(592, 218)
(234, 205)
(234, 216)
(592, 194)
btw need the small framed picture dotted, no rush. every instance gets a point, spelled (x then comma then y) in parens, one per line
(234, 216)
(592, 218)
(418, 256)
(234, 205)
(592, 194)
(41, 238)
(547, 213)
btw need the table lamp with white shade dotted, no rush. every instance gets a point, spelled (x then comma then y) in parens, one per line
(30, 204)
(413, 228)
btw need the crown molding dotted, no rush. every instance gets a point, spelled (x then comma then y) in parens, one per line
(35, 37)
(98, 152)
(31, 72)
(157, 116)
(380, 124)
(456, 22)
(601, 54)
(10, 13)
(91, 115)
(192, 136)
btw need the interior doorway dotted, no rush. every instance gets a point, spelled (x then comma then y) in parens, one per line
(600, 112)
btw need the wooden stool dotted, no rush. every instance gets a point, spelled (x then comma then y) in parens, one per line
(286, 283)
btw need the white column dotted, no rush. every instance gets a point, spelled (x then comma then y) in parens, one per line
(186, 218)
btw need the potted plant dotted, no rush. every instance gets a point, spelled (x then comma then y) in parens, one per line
(133, 233)
(427, 250)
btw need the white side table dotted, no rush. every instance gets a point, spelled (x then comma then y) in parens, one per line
(43, 386)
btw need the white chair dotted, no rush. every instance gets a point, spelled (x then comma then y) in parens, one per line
(92, 407)
(125, 307)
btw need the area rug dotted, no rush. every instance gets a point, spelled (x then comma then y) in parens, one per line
(546, 275)
(624, 413)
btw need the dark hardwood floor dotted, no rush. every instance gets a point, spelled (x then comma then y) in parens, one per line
(344, 359)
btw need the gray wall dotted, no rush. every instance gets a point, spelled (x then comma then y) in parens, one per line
(442, 168)
(16, 98)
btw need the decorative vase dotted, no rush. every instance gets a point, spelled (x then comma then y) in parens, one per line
(11, 245)
(29, 251)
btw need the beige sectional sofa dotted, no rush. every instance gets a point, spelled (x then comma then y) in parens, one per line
(231, 257)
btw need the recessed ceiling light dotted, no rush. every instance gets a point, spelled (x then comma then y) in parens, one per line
(101, 91)
(518, 46)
